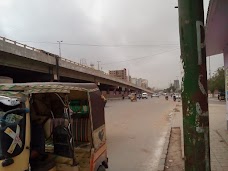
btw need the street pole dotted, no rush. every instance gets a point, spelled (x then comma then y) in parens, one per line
(98, 65)
(194, 94)
(57, 61)
(60, 47)
(209, 67)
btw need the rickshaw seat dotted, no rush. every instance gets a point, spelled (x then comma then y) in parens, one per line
(81, 131)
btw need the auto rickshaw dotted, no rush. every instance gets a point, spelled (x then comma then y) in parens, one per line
(52, 127)
(133, 97)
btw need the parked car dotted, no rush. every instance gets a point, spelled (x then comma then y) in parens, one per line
(155, 95)
(221, 96)
(144, 96)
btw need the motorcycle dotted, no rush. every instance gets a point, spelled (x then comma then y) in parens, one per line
(174, 98)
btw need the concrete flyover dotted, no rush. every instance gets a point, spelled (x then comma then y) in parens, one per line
(22, 62)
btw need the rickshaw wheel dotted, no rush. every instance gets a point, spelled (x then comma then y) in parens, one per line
(101, 168)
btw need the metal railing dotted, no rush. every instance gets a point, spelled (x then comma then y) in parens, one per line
(19, 44)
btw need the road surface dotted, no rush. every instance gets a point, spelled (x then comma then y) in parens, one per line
(136, 133)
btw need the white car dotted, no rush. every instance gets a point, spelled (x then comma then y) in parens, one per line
(178, 96)
(155, 95)
(144, 96)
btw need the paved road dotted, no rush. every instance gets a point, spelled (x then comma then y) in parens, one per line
(136, 133)
(216, 101)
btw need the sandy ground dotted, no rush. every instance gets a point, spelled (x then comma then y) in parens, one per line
(174, 160)
(136, 133)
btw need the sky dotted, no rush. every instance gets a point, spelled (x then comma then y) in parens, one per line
(139, 35)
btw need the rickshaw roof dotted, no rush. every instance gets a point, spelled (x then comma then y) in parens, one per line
(48, 87)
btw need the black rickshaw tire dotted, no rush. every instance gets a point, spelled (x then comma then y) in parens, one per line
(101, 168)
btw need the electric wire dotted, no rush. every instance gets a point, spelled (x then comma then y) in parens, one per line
(102, 45)
(140, 57)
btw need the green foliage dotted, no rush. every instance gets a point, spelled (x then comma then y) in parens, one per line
(217, 81)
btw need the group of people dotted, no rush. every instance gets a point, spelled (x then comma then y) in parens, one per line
(172, 96)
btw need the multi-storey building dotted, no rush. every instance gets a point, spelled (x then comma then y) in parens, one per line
(176, 84)
(144, 83)
(121, 74)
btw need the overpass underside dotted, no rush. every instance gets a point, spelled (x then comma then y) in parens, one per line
(23, 70)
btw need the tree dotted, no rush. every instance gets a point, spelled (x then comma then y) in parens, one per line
(217, 81)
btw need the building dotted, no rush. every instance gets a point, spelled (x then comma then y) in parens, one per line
(176, 84)
(121, 74)
(144, 83)
(129, 78)
(139, 82)
(134, 81)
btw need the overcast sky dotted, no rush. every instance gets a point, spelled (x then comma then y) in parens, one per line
(139, 35)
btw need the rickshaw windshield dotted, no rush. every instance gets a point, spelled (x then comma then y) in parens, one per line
(12, 127)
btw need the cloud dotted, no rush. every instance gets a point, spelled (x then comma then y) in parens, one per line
(101, 22)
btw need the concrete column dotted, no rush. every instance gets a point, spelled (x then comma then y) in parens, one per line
(225, 53)
(4, 79)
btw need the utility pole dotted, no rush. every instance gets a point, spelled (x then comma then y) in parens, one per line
(60, 47)
(194, 95)
(98, 65)
(57, 61)
(209, 67)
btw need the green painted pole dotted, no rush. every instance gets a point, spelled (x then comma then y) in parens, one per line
(194, 94)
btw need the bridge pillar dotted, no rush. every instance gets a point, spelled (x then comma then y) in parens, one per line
(108, 93)
(5, 79)
(57, 76)
(52, 74)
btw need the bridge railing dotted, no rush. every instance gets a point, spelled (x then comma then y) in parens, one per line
(18, 44)
(39, 50)
(63, 59)
(76, 63)
(94, 70)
